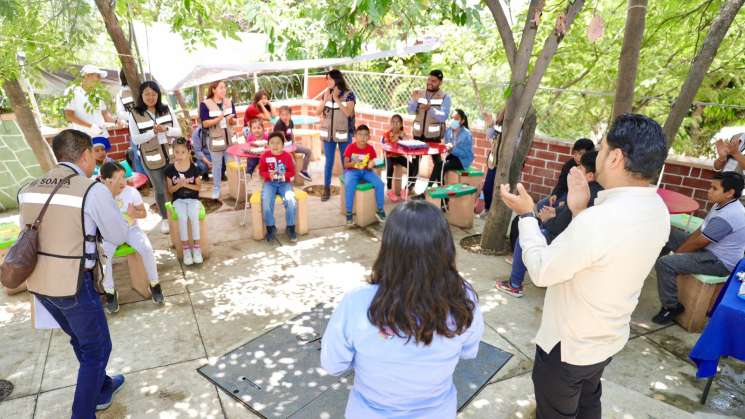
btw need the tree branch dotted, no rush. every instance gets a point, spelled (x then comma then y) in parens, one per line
(505, 30)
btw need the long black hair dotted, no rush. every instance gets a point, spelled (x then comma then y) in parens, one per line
(463, 118)
(338, 78)
(420, 291)
(141, 107)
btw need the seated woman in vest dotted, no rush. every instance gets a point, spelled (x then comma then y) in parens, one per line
(459, 142)
(337, 125)
(218, 117)
(152, 127)
(405, 331)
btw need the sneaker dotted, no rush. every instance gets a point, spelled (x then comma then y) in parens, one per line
(157, 294)
(270, 233)
(188, 258)
(112, 302)
(215, 194)
(291, 233)
(117, 382)
(393, 197)
(350, 220)
(305, 175)
(668, 314)
(326, 194)
(196, 255)
(164, 227)
(507, 288)
(380, 215)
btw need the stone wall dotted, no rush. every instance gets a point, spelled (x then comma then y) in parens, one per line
(18, 164)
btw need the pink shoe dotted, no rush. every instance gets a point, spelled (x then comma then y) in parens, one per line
(393, 197)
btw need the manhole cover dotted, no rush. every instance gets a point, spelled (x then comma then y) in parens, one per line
(317, 190)
(6, 388)
(473, 245)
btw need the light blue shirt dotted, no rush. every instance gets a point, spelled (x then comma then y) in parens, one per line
(440, 115)
(394, 378)
(462, 145)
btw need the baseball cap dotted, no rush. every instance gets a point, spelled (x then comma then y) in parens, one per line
(101, 141)
(437, 73)
(92, 69)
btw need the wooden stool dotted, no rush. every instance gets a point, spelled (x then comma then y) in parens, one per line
(137, 273)
(461, 199)
(235, 172)
(697, 293)
(301, 214)
(364, 207)
(176, 238)
(298, 180)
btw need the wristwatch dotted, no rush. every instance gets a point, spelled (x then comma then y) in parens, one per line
(530, 214)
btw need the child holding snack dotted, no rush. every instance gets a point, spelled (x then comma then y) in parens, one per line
(277, 168)
(359, 159)
(184, 181)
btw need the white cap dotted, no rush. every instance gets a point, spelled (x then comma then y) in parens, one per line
(92, 69)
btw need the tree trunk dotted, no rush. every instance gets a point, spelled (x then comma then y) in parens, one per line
(519, 103)
(699, 67)
(27, 123)
(184, 111)
(121, 44)
(629, 59)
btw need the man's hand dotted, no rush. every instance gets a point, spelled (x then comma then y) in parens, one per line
(552, 200)
(733, 147)
(579, 191)
(722, 148)
(547, 213)
(416, 95)
(521, 203)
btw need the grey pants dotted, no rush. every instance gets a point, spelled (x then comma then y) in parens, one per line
(668, 267)
(158, 179)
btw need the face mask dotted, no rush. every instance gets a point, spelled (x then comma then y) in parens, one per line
(454, 124)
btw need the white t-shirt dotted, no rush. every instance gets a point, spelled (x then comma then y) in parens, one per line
(732, 165)
(84, 110)
(128, 196)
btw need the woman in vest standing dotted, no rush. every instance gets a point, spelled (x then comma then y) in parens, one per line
(125, 103)
(152, 127)
(337, 126)
(217, 114)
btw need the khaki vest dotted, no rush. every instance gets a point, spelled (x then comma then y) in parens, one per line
(127, 100)
(426, 128)
(219, 139)
(154, 154)
(61, 254)
(335, 123)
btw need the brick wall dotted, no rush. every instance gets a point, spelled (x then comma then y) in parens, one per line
(119, 139)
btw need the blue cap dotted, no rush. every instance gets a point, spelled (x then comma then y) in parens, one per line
(101, 141)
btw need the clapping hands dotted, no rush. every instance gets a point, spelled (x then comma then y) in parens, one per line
(579, 191)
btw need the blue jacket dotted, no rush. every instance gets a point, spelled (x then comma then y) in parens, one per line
(462, 146)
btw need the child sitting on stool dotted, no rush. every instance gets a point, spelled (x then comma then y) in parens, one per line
(130, 203)
(277, 168)
(359, 159)
(256, 133)
(286, 126)
(184, 182)
(392, 136)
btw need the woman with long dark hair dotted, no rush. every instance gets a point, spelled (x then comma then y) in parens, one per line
(405, 331)
(218, 117)
(260, 107)
(152, 127)
(337, 124)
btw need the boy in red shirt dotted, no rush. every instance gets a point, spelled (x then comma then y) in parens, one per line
(359, 159)
(277, 168)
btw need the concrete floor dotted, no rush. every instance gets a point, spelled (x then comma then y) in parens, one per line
(247, 287)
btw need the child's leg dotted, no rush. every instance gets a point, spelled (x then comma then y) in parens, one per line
(389, 172)
(180, 206)
(108, 276)
(305, 151)
(251, 165)
(193, 207)
(351, 179)
(267, 203)
(139, 241)
(288, 196)
(371, 177)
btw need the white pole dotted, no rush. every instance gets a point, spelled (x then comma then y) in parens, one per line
(256, 82)
(305, 83)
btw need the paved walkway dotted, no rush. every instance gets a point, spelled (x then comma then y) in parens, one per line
(246, 287)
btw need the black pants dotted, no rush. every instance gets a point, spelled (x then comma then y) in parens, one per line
(489, 187)
(566, 391)
(414, 166)
(451, 163)
(401, 161)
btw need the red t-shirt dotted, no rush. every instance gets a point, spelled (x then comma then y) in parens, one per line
(360, 156)
(283, 165)
(252, 111)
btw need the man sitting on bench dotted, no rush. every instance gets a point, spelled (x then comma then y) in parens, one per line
(713, 249)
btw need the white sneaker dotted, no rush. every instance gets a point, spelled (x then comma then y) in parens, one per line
(188, 259)
(164, 227)
(197, 256)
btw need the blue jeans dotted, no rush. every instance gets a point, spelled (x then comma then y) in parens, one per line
(82, 318)
(517, 276)
(135, 158)
(329, 148)
(283, 189)
(353, 177)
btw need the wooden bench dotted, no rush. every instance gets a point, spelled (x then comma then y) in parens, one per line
(697, 293)
(176, 238)
(461, 199)
(470, 176)
(364, 207)
(301, 213)
(686, 222)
